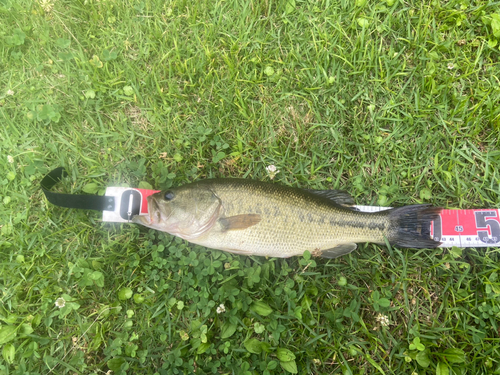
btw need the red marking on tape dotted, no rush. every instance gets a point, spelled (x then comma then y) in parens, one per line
(466, 222)
(145, 194)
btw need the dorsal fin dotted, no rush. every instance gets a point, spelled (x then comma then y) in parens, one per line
(341, 197)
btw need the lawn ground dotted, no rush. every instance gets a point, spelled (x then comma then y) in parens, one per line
(394, 101)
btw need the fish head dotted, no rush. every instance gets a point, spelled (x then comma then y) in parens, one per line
(187, 211)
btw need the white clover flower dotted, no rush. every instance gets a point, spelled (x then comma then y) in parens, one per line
(272, 171)
(382, 319)
(271, 168)
(60, 302)
(221, 308)
(47, 5)
(451, 66)
(10, 92)
(10, 159)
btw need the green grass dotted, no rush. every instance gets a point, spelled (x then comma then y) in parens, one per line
(396, 102)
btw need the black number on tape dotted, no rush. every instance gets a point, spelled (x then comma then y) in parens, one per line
(130, 204)
(483, 223)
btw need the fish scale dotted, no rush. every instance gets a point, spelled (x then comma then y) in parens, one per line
(304, 222)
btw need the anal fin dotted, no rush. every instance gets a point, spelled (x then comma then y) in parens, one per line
(238, 251)
(338, 251)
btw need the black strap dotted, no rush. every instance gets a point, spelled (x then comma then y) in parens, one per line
(87, 202)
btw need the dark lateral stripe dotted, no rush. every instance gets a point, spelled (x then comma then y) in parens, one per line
(357, 224)
(341, 223)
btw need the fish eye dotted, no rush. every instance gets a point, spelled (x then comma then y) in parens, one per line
(168, 196)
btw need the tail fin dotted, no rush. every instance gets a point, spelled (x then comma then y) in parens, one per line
(411, 226)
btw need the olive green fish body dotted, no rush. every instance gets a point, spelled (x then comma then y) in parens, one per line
(256, 218)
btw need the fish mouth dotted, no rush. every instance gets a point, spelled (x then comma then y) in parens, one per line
(154, 216)
(153, 209)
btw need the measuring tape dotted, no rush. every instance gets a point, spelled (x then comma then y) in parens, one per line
(461, 228)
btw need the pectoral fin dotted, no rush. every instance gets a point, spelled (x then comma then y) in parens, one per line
(239, 221)
(338, 251)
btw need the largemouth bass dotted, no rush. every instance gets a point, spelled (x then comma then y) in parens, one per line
(250, 217)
